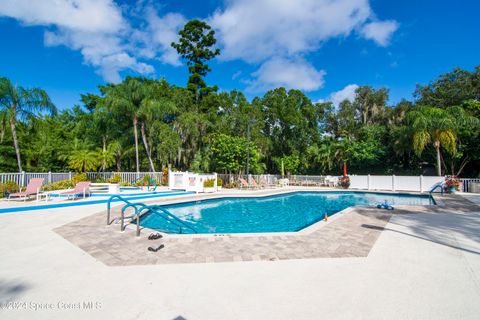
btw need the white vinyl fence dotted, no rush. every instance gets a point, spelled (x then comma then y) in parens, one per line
(361, 182)
(23, 178)
(395, 183)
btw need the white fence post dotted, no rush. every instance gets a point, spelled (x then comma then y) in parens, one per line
(393, 182)
(368, 182)
(49, 176)
(23, 178)
(421, 183)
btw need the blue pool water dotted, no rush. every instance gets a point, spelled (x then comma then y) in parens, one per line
(279, 213)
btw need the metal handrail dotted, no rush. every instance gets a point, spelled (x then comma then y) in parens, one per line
(151, 182)
(169, 214)
(122, 217)
(109, 206)
(140, 207)
(435, 187)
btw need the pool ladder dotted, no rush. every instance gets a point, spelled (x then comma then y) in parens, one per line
(151, 182)
(141, 208)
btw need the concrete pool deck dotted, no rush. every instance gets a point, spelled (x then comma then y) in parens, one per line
(424, 265)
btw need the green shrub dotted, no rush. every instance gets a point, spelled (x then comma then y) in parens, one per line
(62, 184)
(116, 178)
(79, 177)
(219, 182)
(8, 186)
(126, 184)
(209, 183)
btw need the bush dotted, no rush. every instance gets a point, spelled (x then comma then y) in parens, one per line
(62, 184)
(344, 182)
(116, 178)
(79, 177)
(209, 183)
(8, 186)
(219, 182)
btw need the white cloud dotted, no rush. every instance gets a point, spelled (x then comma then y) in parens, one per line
(102, 32)
(289, 73)
(379, 31)
(80, 15)
(257, 30)
(160, 33)
(347, 93)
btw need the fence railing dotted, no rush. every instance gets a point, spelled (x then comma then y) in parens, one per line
(361, 182)
(471, 185)
(365, 182)
(23, 178)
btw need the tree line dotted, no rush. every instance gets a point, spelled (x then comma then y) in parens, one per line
(146, 124)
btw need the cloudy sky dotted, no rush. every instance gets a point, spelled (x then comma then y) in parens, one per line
(326, 48)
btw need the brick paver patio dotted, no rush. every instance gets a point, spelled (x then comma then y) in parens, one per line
(350, 234)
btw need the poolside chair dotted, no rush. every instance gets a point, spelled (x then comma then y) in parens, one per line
(253, 183)
(32, 189)
(264, 183)
(82, 188)
(243, 183)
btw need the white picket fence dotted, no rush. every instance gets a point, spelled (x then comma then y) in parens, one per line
(23, 178)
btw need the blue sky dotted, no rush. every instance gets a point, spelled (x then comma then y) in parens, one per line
(325, 49)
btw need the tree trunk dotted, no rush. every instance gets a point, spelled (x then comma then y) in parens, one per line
(119, 163)
(104, 148)
(135, 133)
(436, 144)
(15, 139)
(147, 149)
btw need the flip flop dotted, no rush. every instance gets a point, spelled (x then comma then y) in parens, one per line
(152, 249)
(154, 236)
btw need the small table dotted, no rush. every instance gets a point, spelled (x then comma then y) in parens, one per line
(43, 195)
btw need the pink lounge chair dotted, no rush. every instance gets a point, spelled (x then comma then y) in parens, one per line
(254, 183)
(82, 188)
(243, 183)
(33, 188)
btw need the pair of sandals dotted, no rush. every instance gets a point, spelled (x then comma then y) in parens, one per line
(155, 236)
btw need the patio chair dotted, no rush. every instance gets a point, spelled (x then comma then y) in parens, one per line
(264, 183)
(254, 183)
(81, 188)
(32, 189)
(243, 183)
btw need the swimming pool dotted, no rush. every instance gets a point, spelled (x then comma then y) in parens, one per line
(277, 213)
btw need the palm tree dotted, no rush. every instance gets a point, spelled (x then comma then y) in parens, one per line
(154, 108)
(438, 127)
(21, 103)
(108, 154)
(126, 98)
(83, 160)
